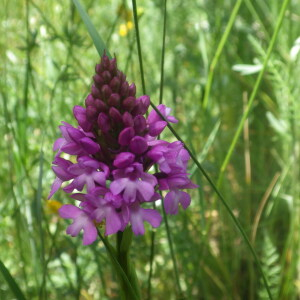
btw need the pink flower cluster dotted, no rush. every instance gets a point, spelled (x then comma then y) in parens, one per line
(115, 147)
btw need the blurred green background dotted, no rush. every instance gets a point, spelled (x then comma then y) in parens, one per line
(47, 64)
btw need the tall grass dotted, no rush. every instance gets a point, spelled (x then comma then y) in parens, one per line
(229, 70)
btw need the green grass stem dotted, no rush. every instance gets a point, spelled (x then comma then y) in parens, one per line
(219, 50)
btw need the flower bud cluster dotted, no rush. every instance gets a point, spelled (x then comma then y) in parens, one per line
(115, 146)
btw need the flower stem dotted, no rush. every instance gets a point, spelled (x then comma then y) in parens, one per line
(122, 257)
(122, 266)
(123, 246)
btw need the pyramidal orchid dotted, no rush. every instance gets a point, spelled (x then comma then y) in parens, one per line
(115, 147)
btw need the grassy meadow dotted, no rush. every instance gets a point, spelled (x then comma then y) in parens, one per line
(230, 72)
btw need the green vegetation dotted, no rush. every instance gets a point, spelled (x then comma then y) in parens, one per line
(230, 74)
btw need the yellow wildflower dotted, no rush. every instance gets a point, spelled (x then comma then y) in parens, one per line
(129, 25)
(123, 30)
(53, 206)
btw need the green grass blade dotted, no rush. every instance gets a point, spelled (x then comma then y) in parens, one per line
(11, 282)
(163, 50)
(219, 51)
(139, 47)
(98, 41)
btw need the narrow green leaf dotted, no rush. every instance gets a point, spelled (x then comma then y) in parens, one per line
(98, 41)
(219, 50)
(11, 282)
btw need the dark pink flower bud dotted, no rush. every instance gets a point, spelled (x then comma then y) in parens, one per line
(124, 89)
(121, 76)
(138, 145)
(127, 119)
(106, 91)
(129, 103)
(80, 115)
(115, 84)
(89, 100)
(74, 133)
(105, 62)
(139, 124)
(115, 115)
(89, 145)
(98, 80)
(142, 105)
(125, 136)
(91, 113)
(98, 68)
(106, 76)
(132, 90)
(114, 100)
(113, 66)
(123, 160)
(95, 92)
(103, 122)
(100, 105)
